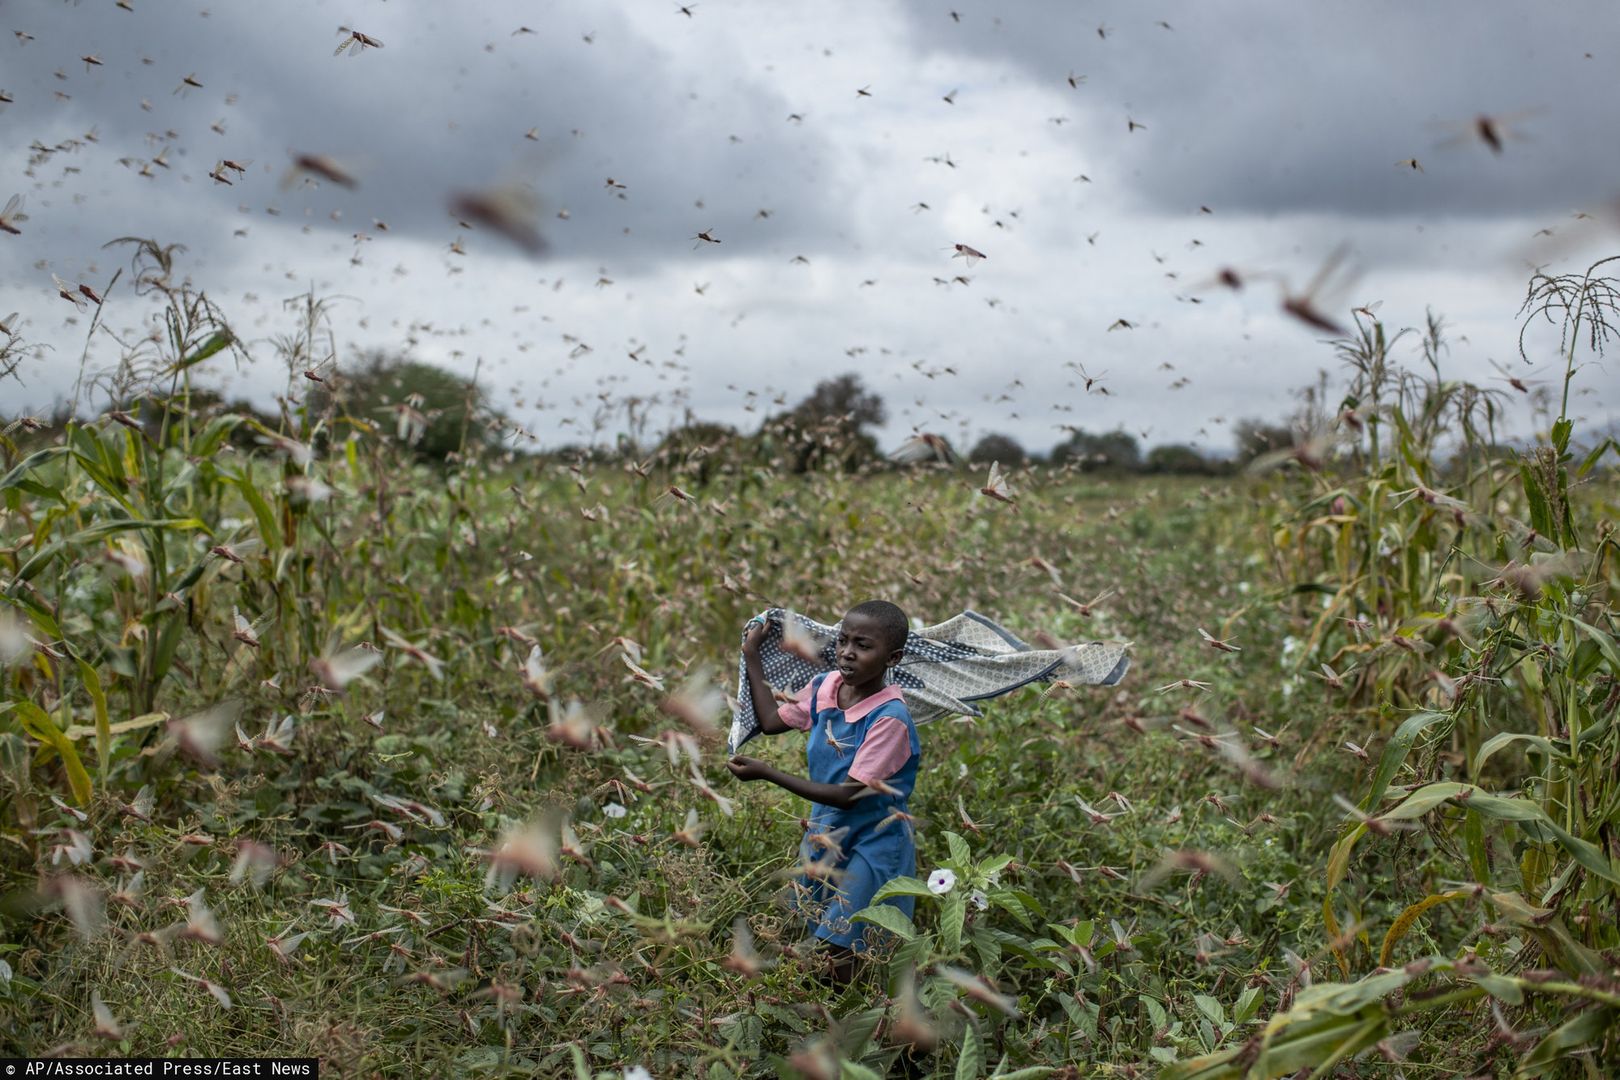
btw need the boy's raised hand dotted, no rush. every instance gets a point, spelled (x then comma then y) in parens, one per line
(755, 635)
(747, 768)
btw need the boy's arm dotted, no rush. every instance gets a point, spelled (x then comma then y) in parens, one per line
(839, 796)
(770, 723)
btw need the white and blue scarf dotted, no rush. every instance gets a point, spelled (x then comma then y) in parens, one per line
(946, 667)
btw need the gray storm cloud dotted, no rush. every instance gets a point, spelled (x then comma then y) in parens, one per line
(837, 211)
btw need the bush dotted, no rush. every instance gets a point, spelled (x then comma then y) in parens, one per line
(434, 411)
(996, 447)
(828, 428)
(1114, 451)
(1181, 458)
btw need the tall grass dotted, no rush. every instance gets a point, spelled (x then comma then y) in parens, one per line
(1465, 617)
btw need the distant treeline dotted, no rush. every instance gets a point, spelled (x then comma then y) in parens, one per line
(445, 417)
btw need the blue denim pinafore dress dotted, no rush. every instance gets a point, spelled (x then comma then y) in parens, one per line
(862, 849)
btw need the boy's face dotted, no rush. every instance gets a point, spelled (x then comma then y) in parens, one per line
(862, 653)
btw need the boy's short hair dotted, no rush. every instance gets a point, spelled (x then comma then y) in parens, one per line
(890, 619)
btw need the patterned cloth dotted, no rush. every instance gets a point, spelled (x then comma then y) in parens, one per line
(965, 659)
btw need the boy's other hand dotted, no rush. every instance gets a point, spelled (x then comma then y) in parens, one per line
(747, 768)
(755, 635)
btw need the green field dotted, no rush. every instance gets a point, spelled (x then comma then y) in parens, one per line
(350, 824)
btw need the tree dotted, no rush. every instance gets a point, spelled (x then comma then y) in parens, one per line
(1115, 451)
(434, 411)
(1180, 458)
(844, 400)
(1256, 437)
(699, 448)
(829, 426)
(997, 447)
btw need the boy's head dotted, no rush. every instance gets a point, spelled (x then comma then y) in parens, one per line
(882, 620)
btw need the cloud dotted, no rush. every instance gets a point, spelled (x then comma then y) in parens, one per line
(444, 107)
(1282, 121)
(1264, 108)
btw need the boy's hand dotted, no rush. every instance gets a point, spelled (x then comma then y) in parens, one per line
(747, 768)
(755, 635)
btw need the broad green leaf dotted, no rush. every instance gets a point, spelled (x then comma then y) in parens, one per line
(29, 464)
(1587, 1028)
(970, 1063)
(1008, 901)
(1248, 1003)
(1474, 841)
(1548, 929)
(1030, 903)
(168, 643)
(994, 865)
(1506, 990)
(960, 853)
(1505, 738)
(1540, 515)
(41, 491)
(219, 340)
(1560, 433)
(1529, 816)
(952, 914)
(1338, 864)
(902, 886)
(855, 1033)
(1589, 855)
(1348, 998)
(92, 683)
(38, 723)
(1394, 755)
(123, 525)
(266, 518)
(889, 917)
(110, 482)
(212, 436)
(1596, 455)
(1424, 799)
(1210, 1007)
(987, 946)
(1339, 857)
(1321, 1042)
(40, 559)
(1605, 643)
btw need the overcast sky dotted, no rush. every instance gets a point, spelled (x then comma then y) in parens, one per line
(1257, 136)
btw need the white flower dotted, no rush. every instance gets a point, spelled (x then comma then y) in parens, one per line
(978, 899)
(637, 1072)
(941, 882)
(614, 810)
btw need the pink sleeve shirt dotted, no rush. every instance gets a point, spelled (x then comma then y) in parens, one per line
(887, 746)
(797, 714)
